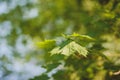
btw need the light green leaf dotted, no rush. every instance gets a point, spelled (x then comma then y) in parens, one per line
(80, 37)
(46, 44)
(70, 49)
(78, 48)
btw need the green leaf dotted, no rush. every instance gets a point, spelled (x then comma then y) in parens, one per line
(65, 43)
(56, 50)
(78, 48)
(46, 44)
(57, 57)
(41, 77)
(51, 66)
(70, 49)
(80, 37)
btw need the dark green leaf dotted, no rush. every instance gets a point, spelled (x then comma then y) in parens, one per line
(51, 66)
(41, 77)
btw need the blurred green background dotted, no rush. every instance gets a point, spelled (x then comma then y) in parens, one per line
(25, 22)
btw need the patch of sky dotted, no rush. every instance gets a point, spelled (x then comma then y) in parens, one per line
(32, 13)
(24, 45)
(5, 49)
(5, 28)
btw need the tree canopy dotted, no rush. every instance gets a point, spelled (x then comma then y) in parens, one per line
(59, 39)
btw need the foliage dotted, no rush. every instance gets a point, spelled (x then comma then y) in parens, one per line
(69, 49)
(74, 55)
(46, 44)
(42, 77)
(69, 46)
